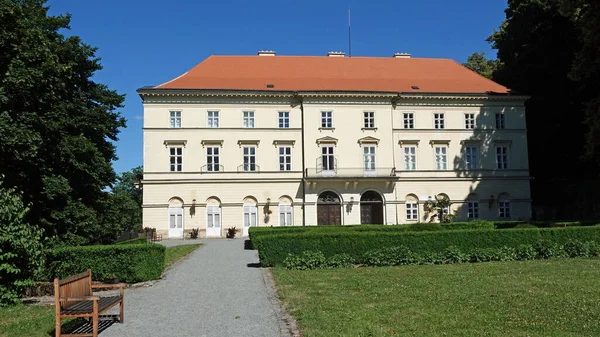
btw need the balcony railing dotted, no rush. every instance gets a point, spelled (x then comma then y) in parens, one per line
(212, 168)
(250, 168)
(379, 172)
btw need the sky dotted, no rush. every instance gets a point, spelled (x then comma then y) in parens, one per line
(150, 42)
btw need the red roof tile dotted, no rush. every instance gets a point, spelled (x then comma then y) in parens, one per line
(317, 73)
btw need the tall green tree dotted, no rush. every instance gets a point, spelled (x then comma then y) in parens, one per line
(123, 205)
(481, 65)
(57, 126)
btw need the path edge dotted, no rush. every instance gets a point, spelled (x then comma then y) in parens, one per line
(287, 324)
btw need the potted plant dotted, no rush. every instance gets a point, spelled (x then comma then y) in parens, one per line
(231, 232)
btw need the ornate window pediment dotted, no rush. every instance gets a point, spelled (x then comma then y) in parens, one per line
(284, 142)
(327, 140)
(403, 142)
(248, 142)
(212, 142)
(439, 142)
(368, 140)
(172, 142)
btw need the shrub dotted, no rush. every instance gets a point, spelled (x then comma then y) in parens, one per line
(306, 260)
(20, 248)
(340, 261)
(475, 224)
(231, 232)
(194, 233)
(389, 256)
(525, 252)
(136, 241)
(593, 248)
(482, 255)
(129, 263)
(424, 226)
(574, 248)
(452, 254)
(273, 248)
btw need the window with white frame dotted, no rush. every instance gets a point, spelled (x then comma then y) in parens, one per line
(471, 157)
(501, 157)
(175, 217)
(326, 119)
(250, 215)
(504, 209)
(410, 157)
(412, 210)
(441, 157)
(213, 119)
(438, 120)
(369, 158)
(248, 119)
(500, 121)
(327, 158)
(473, 210)
(249, 158)
(284, 119)
(469, 121)
(213, 216)
(369, 119)
(285, 158)
(285, 215)
(175, 119)
(409, 120)
(176, 159)
(212, 159)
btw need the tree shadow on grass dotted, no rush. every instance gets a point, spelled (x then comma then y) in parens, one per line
(83, 326)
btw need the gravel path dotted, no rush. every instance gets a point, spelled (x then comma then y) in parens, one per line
(216, 291)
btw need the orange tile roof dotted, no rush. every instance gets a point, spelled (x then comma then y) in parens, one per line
(323, 73)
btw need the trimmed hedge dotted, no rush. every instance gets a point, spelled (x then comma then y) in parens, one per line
(274, 248)
(129, 262)
(136, 241)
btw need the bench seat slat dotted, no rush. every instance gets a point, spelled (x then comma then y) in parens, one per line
(86, 307)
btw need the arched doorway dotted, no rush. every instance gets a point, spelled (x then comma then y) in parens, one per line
(329, 209)
(371, 208)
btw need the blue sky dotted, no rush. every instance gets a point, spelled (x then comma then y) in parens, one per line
(150, 42)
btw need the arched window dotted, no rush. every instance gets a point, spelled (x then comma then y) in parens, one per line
(472, 206)
(213, 217)
(412, 207)
(504, 211)
(250, 213)
(285, 211)
(175, 217)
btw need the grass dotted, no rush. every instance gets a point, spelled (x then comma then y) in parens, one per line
(176, 253)
(557, 297)
(38, 321)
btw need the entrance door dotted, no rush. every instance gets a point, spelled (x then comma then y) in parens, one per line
(213, 221)
(250, 215)
(176, 222)
(329, 209)
(371, 208)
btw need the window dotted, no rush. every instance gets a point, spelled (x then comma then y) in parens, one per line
(369, 119)
(410, 158)
(473, 210)
(327, 158)
(284, 120)
(469, 121)
(213, 119)
(412, 211)
(285, 158)
(438, 120)
(285, 215)
(250, 215)
(175, 119)
(248, 119)
(409, 120)
(176, 159)
(326, 119)
(213, 216)
(441, 159)
(249, 159)
(504, 209)
(471, 153)
(369, 158)
(501, 157)
(212, 159)
(500, 121)
(175, 217)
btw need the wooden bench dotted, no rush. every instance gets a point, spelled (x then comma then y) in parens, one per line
(74, 298)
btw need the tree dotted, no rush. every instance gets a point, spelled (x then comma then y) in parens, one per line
(481, 65)
(57, 126)
(20, 247)
(438, 208)
(123, 206)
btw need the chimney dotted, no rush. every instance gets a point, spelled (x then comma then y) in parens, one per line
(401, 56)
(266, 53)
(336, 54)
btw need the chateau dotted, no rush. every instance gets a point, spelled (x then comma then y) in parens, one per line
(271, 140)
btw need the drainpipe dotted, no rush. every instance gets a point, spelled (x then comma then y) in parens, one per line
(299, 98)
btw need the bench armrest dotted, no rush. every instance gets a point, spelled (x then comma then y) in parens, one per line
(104, 285)
(83, 298)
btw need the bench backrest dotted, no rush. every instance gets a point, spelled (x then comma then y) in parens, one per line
(79, 285)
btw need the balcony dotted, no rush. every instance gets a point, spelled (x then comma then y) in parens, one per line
(376, 173)
(212, 168)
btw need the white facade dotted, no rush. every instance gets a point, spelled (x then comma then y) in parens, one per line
(215, 160)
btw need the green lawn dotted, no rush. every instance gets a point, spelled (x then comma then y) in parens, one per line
(38, 321)
(176, 253)
(559, 297)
